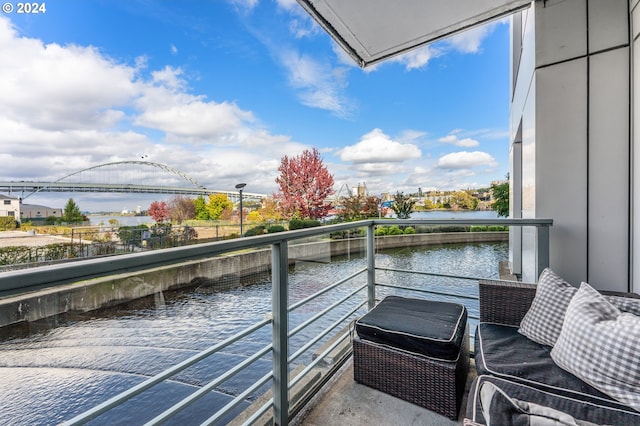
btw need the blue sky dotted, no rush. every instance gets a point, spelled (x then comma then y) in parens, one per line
(222, 90)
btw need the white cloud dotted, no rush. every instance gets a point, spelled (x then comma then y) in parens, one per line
(319, 85)
(289, 5)
(67, 108)
(344, 58)
(203, 121)
(377, 168)
(377, 147)
(55, 87)
(470, 41)
(466, 160)
(418, 58)
(169, 77)
(173, 49)
(410, 135)
(244, 4)
(489, 133)
(454, 140)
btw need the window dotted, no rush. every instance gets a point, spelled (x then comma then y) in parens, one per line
(7, 202)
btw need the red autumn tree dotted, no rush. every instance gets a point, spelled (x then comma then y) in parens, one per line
(159, 211)
(304, 185)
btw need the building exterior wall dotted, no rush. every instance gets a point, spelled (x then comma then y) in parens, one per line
(10, 207)
(634, 7)
(39, 212)
(571, 100)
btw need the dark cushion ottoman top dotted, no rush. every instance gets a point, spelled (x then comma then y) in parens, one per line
(425, 327)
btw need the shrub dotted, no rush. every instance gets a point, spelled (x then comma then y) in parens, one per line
(275, 228)
(395, 230)
(257, 230)
(478, 228)
(494, 228)
(409, 230)
(13, 255)
(26, 226)
(380, 230)
(51, 220)
(339, 235)
(452, 228)
(303, 223)
(8, 223)
(132, 234)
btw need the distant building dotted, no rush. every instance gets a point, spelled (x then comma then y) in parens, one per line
(35, 211)
(10, 207)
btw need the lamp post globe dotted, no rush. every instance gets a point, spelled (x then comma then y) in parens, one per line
(240, 187)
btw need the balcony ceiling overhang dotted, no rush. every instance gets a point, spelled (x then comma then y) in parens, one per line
(374, 30)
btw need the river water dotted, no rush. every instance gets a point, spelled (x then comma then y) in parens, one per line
(51, 373)
(95, 219)
(434, 214)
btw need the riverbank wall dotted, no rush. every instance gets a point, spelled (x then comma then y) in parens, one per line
(215, 274)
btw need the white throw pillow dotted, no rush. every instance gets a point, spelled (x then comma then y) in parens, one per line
(601, 345)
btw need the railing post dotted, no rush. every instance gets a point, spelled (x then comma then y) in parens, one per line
(371, 267)
(279, 298)
(543, 249)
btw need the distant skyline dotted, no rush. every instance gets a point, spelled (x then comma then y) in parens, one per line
(222, 90)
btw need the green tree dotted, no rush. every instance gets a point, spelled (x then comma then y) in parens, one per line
(500, 193)
(71, 212)
(463, 200)
(356, 207)
(350, 207)
(217, 204)
(200, 206)
(403, 205)
(428, 205)
(269, 209)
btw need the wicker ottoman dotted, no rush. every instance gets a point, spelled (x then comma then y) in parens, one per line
(416, 350)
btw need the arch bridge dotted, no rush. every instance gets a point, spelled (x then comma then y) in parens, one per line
(123, 177)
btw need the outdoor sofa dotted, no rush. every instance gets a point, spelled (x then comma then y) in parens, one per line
(553, 353)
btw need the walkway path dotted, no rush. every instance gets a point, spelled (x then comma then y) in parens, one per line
(22, 238)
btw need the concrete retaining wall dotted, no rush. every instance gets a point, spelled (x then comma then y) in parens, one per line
(215, 274)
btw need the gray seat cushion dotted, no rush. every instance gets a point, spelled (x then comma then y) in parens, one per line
(503, 352)
(425, 327)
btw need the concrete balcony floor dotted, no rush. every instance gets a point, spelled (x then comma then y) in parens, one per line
(345, 402)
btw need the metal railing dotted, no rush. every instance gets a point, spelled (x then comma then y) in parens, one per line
(348, 306)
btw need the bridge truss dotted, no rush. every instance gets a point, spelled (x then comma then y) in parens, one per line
(122, 177)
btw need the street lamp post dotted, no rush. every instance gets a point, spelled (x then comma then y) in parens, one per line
(240, 187)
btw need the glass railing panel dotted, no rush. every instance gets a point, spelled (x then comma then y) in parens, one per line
(220, 291)
(327, 292)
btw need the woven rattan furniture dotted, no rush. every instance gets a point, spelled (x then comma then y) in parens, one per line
(405, 353)
(505, 302)
(524, 369)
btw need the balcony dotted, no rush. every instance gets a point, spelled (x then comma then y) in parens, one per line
(310, 380)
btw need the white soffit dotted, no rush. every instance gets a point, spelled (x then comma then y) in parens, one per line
(374, 30)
